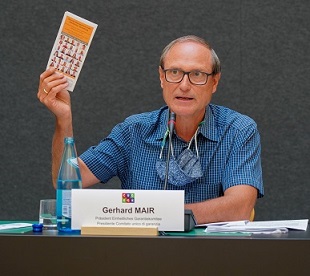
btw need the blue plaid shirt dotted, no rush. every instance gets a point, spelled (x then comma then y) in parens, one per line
(228, 145)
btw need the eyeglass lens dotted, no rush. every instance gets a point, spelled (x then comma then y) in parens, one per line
(195, 77)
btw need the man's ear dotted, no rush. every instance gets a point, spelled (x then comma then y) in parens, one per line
(215, 81)
(161, 76)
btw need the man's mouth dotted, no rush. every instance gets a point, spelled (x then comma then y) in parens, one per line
(184, 98)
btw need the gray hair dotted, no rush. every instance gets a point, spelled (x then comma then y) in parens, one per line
(216, 64)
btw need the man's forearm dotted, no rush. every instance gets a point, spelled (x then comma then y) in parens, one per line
(216, 210)
(236, 204)
(61, 131)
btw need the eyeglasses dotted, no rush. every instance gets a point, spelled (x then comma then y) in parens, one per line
(195, 77)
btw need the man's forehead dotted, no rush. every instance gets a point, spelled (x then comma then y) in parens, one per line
(189, 44)
(189, 52)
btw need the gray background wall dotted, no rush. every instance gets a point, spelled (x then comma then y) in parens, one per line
(264, 50)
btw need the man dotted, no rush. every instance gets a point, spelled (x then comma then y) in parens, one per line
(215, 151)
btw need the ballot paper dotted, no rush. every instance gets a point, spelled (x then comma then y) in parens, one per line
(274, 226)
(71, 46)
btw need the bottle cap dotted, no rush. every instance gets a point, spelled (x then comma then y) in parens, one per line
(37, 227)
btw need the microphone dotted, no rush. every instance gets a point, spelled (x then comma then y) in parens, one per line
(189, 218)
(171, 124)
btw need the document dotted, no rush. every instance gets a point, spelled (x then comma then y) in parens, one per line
(275, 226)
(14, 225)
(71, 46)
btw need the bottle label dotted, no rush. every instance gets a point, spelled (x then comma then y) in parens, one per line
(66, 203)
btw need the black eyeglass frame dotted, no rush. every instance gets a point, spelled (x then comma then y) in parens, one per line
(186, 73)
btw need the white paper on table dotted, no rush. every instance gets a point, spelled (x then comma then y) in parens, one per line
(16, 225)
(300, 224)
(276, 226)
(225, 223)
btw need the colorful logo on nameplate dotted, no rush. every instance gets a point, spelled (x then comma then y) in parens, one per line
(128, 198)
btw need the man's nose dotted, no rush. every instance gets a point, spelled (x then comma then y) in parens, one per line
(185, 83)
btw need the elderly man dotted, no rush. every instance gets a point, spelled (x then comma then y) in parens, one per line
(215, 152)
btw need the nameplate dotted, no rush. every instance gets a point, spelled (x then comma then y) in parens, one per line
(160, 209)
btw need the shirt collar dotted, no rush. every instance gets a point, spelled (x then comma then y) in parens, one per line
(208, 128)
(163, 124)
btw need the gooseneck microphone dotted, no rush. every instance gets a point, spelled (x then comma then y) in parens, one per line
(189, 218)
(171, 125)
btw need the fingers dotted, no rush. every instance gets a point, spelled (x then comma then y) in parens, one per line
(50, 71)
(44, 79)
(52, 92)
(54, 84)
(51, 81)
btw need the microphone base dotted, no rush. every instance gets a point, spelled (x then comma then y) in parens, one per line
(189, 220)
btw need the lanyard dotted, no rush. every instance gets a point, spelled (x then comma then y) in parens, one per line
(189, 145)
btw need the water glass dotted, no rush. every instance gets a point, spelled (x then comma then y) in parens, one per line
(47, 214)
